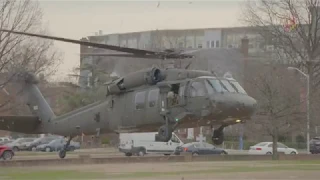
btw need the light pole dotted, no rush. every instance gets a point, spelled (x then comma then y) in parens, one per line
(308, 104)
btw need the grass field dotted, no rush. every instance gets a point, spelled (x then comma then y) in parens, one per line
(195, 170)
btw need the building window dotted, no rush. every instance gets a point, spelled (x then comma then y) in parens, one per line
(140, 100)
(212, 44)
(217, 44)
(153, 97)
(208, 44)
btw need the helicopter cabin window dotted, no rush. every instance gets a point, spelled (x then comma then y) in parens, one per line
(197, 89)
(153, 97)
(140, 100)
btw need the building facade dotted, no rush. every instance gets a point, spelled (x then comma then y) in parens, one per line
(157, 40)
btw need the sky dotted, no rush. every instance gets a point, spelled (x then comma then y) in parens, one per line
(81, 18)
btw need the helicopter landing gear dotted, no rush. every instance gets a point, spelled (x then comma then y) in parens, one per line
(164, 133)
(218, 135)
(63, 152)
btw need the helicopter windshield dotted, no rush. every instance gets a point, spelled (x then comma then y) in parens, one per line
(216, 85)
(238, 86)
(228, 85)
(223, 85)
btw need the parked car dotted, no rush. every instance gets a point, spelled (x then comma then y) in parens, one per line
(4, 140)
(266, 148)
(315, 145)
(57, 145)
(199, 148)
(32, 146)
(6, 153)
(18, 143)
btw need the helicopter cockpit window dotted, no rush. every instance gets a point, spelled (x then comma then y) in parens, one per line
(140, 100)
(197, 89)
(216, 85)
(238, 86)
(153, 97)
(228, 86)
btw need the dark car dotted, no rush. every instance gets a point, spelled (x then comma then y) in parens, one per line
(31, 146)
(57, 145)
(6, 153)
(315, 145)
(199, 148)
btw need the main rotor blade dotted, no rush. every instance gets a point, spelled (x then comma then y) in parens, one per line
(191, 51)
(121, 55)
(97, 45)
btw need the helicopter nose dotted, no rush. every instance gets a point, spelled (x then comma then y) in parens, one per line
(249, 105)
(235, 105)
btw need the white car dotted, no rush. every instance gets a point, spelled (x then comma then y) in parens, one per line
(266, 148)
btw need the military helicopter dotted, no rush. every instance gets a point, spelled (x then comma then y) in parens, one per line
(148, 100)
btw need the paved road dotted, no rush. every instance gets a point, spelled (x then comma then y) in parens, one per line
(95, 153)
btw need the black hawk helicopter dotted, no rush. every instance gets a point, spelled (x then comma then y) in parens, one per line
(151, 99)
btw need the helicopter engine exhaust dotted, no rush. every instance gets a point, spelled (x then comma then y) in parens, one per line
(145, 77)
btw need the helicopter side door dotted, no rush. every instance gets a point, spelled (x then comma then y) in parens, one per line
(153, 106)
(139, 106)
(121, 110)
(179, 95)
(198, 99)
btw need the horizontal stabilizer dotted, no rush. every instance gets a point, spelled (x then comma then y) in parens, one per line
(22, 124)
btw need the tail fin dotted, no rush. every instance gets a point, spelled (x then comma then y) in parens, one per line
(37, 103)
(34, 98)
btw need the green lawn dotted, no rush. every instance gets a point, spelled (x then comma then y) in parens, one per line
(34, 174)
(48, 175)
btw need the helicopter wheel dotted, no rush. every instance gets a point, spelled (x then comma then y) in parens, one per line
(218, 136)
(164, 133)
(63, 152)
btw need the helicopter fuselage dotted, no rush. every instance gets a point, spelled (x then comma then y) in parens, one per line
(191, 103)
(183, 98)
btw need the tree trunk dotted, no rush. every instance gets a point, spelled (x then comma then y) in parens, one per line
(275, 155)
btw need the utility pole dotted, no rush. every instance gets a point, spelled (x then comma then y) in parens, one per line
(308, 104)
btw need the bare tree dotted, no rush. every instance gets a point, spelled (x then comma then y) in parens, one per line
(19, 52)
(96, 92)
(277, 93)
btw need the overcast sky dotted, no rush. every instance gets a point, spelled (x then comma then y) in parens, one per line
(80, 18)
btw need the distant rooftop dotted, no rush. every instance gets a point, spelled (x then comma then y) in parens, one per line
(193, 29)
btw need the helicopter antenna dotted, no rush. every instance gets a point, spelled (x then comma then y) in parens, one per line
(214, 73)
(227, 75)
